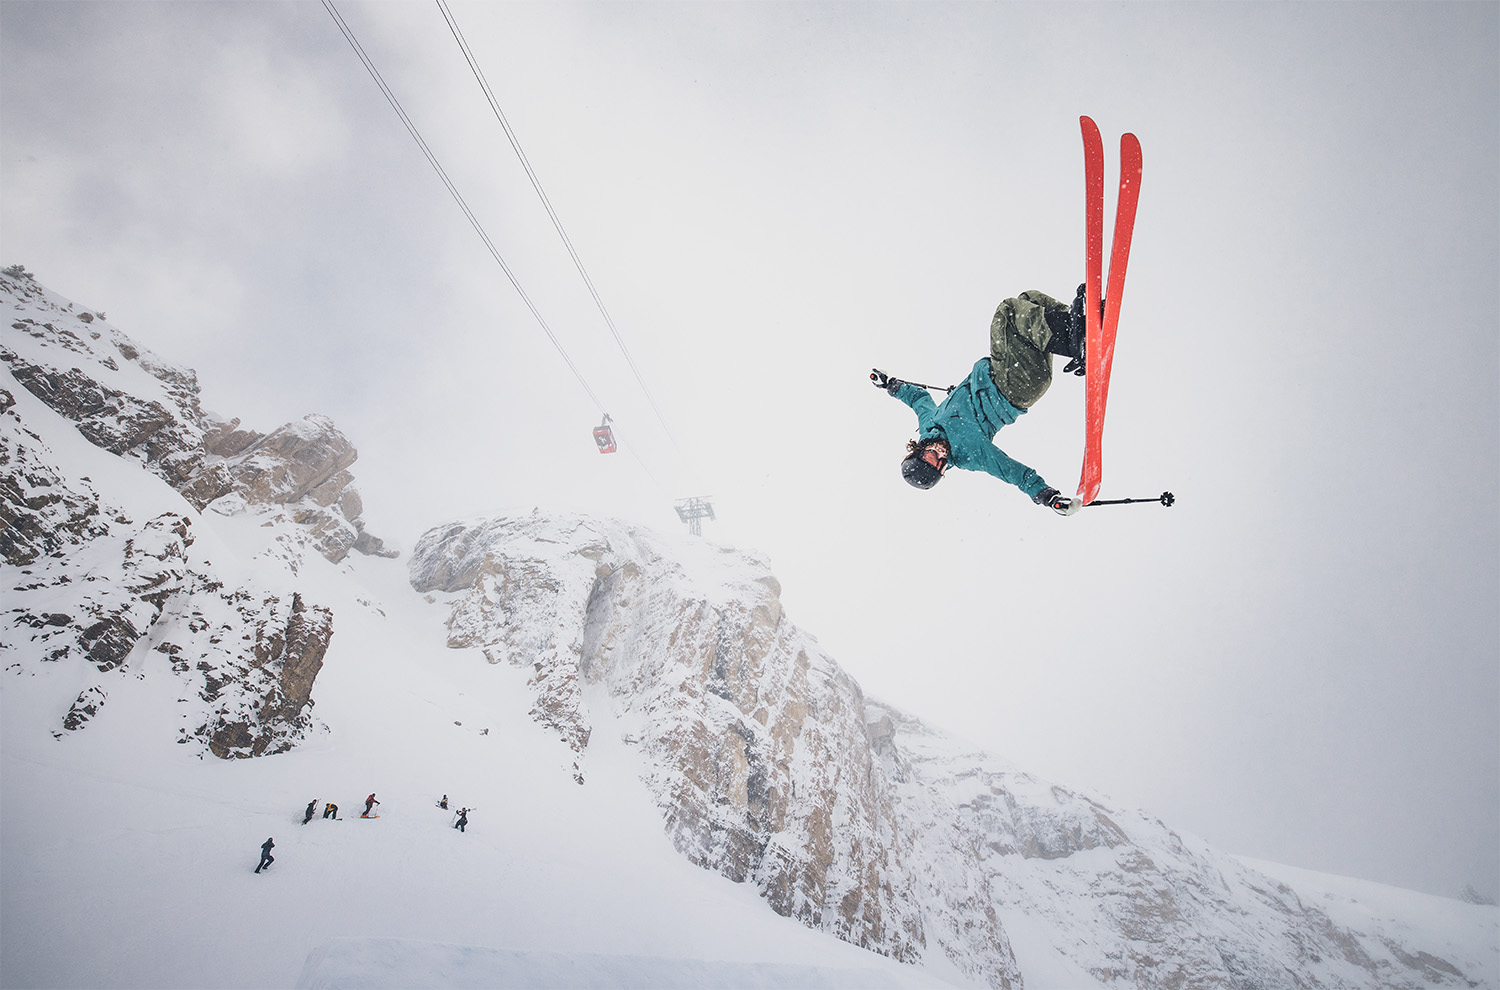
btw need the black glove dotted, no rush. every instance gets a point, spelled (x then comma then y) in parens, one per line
(1056, 501)
(880, 379)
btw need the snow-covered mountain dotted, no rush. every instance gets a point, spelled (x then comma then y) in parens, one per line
(771, 767)
(102, 573)
(672, 783)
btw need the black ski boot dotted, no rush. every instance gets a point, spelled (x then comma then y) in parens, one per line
(1070, 331)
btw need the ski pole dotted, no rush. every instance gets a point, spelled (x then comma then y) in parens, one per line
(877, 376)
(1165, 498)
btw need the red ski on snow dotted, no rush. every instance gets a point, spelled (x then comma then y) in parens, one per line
(1099, 345)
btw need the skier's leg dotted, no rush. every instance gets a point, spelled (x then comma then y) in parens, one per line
(1019, 335)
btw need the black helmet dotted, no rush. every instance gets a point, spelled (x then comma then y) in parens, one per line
(918, 473)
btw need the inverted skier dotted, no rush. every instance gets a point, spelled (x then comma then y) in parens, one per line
(1026, 331)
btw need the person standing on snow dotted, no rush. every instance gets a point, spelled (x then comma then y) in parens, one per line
(463, 819)
(266, 859)
(331, 810)
(370, 802)
(1024, 334)
(312, 809)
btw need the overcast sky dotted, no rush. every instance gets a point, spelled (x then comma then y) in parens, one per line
(1300, 661)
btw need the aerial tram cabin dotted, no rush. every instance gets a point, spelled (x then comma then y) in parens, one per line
(605, 437)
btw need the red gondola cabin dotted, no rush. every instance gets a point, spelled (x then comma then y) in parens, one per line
(604, 436)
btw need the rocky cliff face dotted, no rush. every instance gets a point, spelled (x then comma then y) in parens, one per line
(755, 739)
(87, 581)
(125, 400)
(771, 767)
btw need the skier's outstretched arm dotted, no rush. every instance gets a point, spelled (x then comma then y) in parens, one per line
(913, 395)
(993, 460)
(1007, 468)
(920, 401)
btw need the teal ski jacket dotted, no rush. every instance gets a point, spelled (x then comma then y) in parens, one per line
(968, 419)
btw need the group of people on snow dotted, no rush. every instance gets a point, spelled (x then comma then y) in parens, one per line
(463, 814)
(331, 810)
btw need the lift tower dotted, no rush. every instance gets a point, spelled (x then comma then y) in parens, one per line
(693, 510)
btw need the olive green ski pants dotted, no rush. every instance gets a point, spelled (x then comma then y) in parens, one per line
(1019, 335)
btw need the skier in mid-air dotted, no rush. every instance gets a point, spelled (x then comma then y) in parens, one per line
(1024, 334)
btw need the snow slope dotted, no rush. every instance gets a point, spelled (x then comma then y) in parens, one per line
(128, 862)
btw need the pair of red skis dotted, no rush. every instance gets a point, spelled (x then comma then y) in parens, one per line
(1100, 340)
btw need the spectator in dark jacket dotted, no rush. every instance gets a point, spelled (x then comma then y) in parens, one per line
(266, 859)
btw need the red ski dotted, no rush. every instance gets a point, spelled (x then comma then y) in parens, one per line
(1100, 341)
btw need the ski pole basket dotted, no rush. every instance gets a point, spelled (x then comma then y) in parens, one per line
(605, 437)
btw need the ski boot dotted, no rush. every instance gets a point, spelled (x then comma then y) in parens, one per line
(1069, 328)
(1077, 334)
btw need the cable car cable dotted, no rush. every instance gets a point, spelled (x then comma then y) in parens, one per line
(411, 128)
(536, 184)
(458, 198)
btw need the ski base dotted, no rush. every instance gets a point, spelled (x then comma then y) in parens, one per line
(1099, 346)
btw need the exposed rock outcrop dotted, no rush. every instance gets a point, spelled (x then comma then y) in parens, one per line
(127, 401)
(87, 583)
(753, 739)
(261, 700)
(771, 767)
(41, 512)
